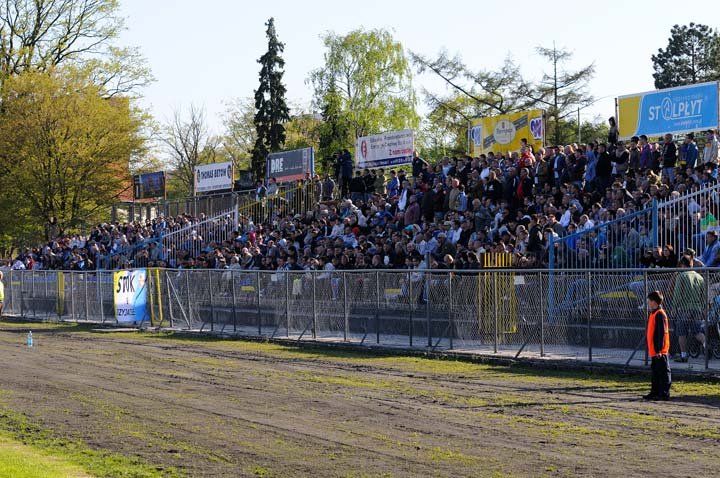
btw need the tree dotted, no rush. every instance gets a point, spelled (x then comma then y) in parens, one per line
(334, 131)
(492, 92)
(445, 129)
(373, 81)
(692, 56)
(272, 111)
(239, 137)
(303, 129)
(189, 144)
(562, 91)
(65, 151)
(505, 90)
(40, 35)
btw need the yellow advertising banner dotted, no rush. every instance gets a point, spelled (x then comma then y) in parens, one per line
(503, 134)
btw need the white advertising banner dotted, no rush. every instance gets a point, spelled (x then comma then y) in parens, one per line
(387, 149)
(213, 177)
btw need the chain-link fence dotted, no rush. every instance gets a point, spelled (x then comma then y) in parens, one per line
(588, 315)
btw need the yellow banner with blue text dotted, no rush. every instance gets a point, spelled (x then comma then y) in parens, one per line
(504, 133)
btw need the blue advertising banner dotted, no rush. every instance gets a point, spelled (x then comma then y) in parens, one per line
(290, 165)
(130, 295)
(672, 110)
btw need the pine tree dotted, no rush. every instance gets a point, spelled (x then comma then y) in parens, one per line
(272, 111)
(692, 56)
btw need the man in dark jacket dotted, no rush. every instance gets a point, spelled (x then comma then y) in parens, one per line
(493, 188)
(357, 188)
(603, 170)
(417, 166)
(669, 157)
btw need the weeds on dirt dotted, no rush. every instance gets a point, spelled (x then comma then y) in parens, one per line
(97, 462)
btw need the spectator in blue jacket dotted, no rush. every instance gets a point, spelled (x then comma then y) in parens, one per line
(689, 151)
(709, 255)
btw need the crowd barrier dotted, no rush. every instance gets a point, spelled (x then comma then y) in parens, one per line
(592, 315)
(674, 224)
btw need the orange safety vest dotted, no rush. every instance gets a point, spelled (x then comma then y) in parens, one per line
(658, 333)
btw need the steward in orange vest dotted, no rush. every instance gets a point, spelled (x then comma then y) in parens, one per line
(658, 344)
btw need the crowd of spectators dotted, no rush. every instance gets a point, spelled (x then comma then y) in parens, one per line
(441, 215)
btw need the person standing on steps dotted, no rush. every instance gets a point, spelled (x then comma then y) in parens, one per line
(658, 344)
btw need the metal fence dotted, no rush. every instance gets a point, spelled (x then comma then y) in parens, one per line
(634, 238)
(683, 220)
(592, 315)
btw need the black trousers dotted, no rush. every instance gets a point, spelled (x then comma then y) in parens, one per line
(661, 376)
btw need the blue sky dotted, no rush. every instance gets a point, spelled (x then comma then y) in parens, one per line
(205, 52)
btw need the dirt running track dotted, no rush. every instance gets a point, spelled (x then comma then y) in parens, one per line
(224, 408)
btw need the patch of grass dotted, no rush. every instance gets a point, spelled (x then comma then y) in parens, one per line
(449, 456)
(18, 324)
(21, 461)
(96, 462)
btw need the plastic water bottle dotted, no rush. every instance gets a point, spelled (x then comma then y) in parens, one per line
(29, 339)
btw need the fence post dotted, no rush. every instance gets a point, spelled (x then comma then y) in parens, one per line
(99, 291)
(589, 320)
(72, 295)
(410, 303)
(212, 304)
(450, 309)
(428, 305)
(32, 292)
(234, 300)
(542, 317)
(551, 279)
(313, 275)
(287, 303)
(257, 293)
(655, 231)
(169, 300)
(345, 308)
(22, 297)
(87, 305)
(706, 349)
(187, 296)
(377, 307)
(495, 298)
(647, 312)
(45, 281)
(429, 318)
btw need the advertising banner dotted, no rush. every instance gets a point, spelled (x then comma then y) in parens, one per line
(290, 165)
(150, 185)
(387, 149)
(130, 295)
(502, 134)
(672, 110)
(214, 177)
